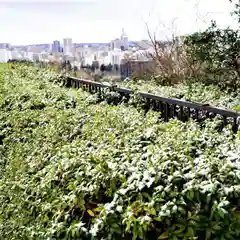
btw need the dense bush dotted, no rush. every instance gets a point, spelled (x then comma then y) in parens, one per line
(26, 62)
(70, 169)
(217, 50)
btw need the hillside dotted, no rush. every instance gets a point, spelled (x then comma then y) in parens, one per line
(71, 169)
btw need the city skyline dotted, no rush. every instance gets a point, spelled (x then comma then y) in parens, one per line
(100, 21)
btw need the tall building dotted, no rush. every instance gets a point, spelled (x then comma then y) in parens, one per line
(124, 38)
(121, 43)
(67, 46)
(56, 47)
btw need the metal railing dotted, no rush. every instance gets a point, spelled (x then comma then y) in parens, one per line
(168, 107)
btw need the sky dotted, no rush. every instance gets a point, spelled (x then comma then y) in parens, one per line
(34, 22)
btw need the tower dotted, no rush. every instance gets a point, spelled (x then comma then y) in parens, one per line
(56, 48)
(124, 38)
(67, 46)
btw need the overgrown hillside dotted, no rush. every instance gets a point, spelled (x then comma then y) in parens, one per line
(70, 169)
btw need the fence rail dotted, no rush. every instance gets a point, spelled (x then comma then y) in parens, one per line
(168, 107)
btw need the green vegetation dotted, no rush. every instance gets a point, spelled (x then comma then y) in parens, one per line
(74, 169)
(195, 92)
(71, 169)
(3, 66)
(202, 67)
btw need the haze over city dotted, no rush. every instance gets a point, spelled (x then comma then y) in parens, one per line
(33, 22)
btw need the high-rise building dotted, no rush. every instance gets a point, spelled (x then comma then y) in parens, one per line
(67, 46)
(56, 47)
(124, 38)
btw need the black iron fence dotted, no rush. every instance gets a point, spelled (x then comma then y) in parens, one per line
(168, 107)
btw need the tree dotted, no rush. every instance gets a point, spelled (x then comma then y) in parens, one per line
(170, 63)
(236, 11)
(218, 51)
(102, 68)
(82, 66)
(109, 67)
(63, 65)
(75, 68)
(68, 66)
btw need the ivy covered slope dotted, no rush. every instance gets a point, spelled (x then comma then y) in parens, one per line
(70, 169)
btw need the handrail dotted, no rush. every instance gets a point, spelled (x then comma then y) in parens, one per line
(167, 106)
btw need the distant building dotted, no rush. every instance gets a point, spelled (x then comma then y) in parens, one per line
(43, 56)
(4, 55)
(15, 55)
(121, 43)
(140, 69)
(115, 56)
(36, 57)
(5, 46)
(56, 47)
(116, 44)
(85, 54)
(67, 46)
(124, 38)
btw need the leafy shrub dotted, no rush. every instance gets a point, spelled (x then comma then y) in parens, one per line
(218, 51)
(77, 170)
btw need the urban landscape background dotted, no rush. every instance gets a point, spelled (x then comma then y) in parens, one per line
(81, 55)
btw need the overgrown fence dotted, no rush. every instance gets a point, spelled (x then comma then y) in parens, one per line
(168, 107)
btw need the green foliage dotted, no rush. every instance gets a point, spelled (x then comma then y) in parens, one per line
(218, 52)
(71, 169)
(236, 11)
(195, 92)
